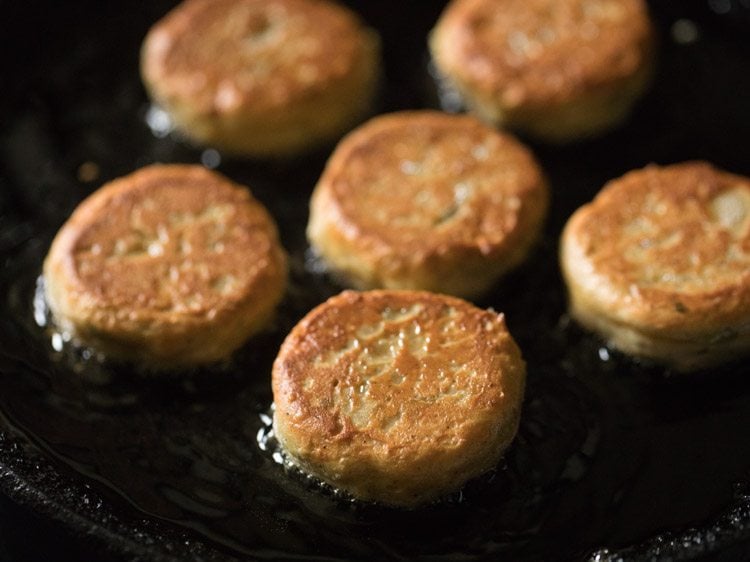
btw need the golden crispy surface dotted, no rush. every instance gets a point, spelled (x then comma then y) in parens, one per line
(665, 252)
(226, 54)
(542, 52)
(262, 77)
(163, 252)
(416, 198)
(397, 396)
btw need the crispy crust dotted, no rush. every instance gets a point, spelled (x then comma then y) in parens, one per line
(397, 396)
(171, 265)
(261, 77)
(659, 263)
(426, 200)
(555, 69)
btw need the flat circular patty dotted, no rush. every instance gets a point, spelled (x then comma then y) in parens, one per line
(397, 396)
(158, 257)
(427, 200)
(541, 52)
(559, 71)
(261, 77)
(665, 251)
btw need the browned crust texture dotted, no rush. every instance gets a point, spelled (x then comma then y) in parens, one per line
(665, 251)
(232, 72)
(544, 52)
(556, 70)
(152, 262)
(427, 200)
(397, 396)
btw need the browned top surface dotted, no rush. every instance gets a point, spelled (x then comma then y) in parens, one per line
(166, 241)
(542, 51)
(420, 182)
(393, 375)
(667, 246)
(223, 55)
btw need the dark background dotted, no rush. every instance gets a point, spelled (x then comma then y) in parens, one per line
(69, 93)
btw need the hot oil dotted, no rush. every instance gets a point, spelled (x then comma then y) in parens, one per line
(609, 452)
(196, 448)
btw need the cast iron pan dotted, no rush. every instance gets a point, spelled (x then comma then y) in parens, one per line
(614, 459)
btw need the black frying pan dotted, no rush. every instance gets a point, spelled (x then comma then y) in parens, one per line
(613, 457)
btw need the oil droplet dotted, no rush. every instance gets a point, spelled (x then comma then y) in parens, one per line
(57, 341)
(159, 121)
(40, 304)
(684, 32)
(211, 158)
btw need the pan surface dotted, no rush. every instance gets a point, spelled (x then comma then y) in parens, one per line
(614, 458)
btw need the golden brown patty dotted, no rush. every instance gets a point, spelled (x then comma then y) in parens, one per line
(261, 77)
(659, 263)
(397, 396)
(427, 200)
(556, 69)
(170, 265)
